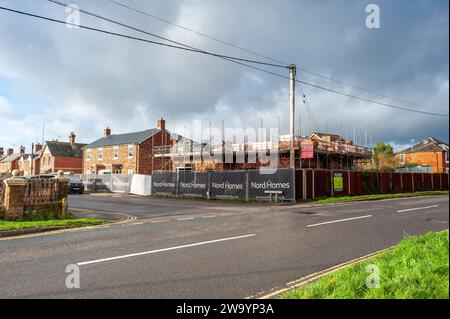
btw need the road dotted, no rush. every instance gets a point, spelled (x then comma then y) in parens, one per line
(199, 249)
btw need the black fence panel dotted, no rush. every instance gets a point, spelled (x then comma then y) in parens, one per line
(164, 183)
(263, 181)
(195, 184)
(228, 184)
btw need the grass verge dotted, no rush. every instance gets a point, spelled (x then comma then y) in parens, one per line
(48, 220)
(331, 200)
(418, 268)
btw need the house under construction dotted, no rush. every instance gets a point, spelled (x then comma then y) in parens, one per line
(318, 151)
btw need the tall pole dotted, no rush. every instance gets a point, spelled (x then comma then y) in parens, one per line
(292, 72)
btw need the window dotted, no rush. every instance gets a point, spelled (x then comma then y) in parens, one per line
(88, 155)
(402, 158)
(130, 151)
(446, 157)
(100, 153)
(116, 152)
(130, 172)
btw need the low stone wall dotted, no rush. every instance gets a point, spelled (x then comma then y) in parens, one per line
(25, 197)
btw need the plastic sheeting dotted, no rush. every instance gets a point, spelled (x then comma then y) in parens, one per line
(107, 183)
(141, 185)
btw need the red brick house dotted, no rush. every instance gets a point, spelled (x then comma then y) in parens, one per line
(430, 152)
(131, 153)
(10, 161)
(66, 156)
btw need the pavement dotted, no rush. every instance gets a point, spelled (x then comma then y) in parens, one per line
(199, 249)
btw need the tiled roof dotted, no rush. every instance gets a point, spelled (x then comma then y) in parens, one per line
(65, 149)
(122, 139)
(428, 145)
(11, 158)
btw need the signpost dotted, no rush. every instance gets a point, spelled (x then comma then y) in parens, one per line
(307, 149)
(338, 182)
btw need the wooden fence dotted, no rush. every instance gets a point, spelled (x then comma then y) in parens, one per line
(322, 183)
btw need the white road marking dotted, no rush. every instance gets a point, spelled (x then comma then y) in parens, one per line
(418, 208)
(339, 220)
(141, 223)
(163, 250)
(160, 221)
(187, 218)
(209, 216)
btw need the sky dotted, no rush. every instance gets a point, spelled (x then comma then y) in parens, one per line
(83, 81)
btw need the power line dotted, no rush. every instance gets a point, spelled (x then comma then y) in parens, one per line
(167, 39)
(221, 56)
(196, 32)
(265, 56)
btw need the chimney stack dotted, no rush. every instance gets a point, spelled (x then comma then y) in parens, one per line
(10, 151)
(37, 147)
(161, 124)
(72, 138)
(2, 151)
(22, 150)
(107, 131)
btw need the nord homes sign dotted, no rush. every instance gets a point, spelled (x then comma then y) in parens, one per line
(228, 184)
(280, 180)
(253, 184)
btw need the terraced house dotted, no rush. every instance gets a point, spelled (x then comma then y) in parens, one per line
(131, 153)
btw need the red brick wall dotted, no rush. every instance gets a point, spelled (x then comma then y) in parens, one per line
(434, 159)
(68, 164)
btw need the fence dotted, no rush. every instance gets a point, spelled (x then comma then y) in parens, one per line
(107, 183)
(245, 185)
(325, 183)
(22, 197)
(2, 193)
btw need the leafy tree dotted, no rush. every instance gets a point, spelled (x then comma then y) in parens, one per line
(384, 157)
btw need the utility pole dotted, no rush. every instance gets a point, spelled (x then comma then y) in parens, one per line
(292, 73)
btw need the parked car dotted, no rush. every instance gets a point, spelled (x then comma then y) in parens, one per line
(76, 185)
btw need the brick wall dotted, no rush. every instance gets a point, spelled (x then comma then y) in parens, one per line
(123, 164)
(434, 159)
(68, 164)
(147, 161)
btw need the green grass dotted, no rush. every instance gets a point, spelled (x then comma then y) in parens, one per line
(331, 200)
(48, 220)
(418, 268)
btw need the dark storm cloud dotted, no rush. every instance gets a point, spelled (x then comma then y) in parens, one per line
(84, 81)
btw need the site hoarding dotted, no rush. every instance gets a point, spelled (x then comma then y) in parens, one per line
(281, 180)
(164, 183)
(252, 184)
(193, 184)
(228, 184)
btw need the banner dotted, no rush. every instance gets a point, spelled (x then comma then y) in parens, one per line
(193, 184)
(307, 149)
(164, 183)
(228, 184)
(282, 180)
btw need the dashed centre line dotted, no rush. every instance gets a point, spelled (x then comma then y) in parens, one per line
(417, 208)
